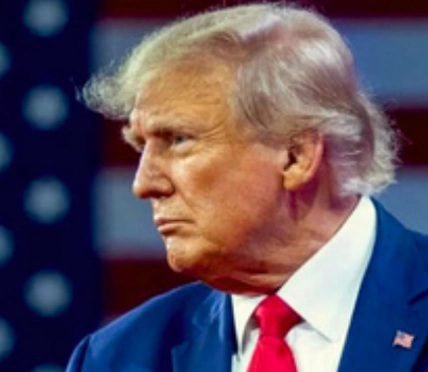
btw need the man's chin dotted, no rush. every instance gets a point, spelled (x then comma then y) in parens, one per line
(178, 260)
(190, 265)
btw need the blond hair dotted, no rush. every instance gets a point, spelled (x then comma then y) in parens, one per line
(292, 72)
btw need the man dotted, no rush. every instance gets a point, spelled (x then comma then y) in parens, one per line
(259, 153)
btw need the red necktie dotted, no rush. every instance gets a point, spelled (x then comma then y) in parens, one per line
(275, 318)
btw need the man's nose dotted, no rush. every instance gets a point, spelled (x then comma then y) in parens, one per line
(151, 180)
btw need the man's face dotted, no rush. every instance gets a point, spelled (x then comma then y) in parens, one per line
(216, 194)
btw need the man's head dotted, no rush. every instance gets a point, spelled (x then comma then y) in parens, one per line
(253, 127)
(289, 70)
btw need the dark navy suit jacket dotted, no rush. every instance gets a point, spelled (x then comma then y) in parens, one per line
(191, 329)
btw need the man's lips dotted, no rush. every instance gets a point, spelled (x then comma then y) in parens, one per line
(167, 224)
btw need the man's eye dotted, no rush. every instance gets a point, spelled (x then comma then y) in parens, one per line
(179, 139)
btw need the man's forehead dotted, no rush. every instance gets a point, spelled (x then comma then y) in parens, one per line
(180, 104)
(152, 120)
(198, 76)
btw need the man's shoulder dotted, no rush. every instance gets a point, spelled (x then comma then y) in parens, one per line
(395, 227)
(166, 314)
(160, 312)
(144, 335)
(416, 239)
(421, 241)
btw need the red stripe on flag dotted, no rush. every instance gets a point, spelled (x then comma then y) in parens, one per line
(114, 150)
(130, 282)
(413, 125)
(335, 8)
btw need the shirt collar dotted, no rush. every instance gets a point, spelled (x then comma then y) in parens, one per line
(324, 290)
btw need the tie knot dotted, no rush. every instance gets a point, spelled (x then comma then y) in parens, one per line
(275, 317)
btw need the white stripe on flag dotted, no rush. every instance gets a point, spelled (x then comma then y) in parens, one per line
(124, 227)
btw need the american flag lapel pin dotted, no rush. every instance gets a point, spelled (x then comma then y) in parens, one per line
(403, 339)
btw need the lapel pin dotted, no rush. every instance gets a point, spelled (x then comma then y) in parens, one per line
(403, 339)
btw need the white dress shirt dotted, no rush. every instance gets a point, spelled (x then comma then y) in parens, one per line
(323, 292)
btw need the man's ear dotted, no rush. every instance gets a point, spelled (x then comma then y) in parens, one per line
(304, 159)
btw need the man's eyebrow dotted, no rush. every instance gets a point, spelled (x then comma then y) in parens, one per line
(165, 124)
(154, 126)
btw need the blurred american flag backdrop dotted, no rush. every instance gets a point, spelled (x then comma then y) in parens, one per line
(76, 249)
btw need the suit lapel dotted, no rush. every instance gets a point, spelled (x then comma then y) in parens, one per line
(393, 298)
(211, 344)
